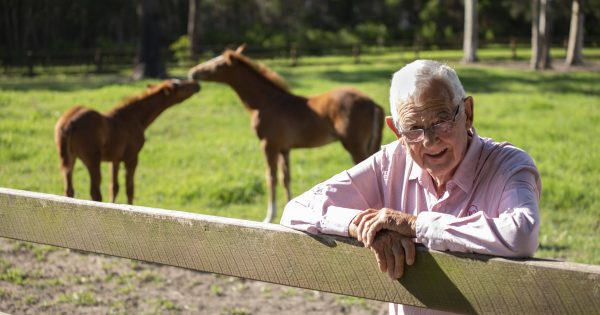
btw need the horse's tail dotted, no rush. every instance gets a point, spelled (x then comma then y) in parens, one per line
(376, 129)
(62, 137)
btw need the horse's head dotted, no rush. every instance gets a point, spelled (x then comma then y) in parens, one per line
(217, 69)
(224, 68)
(177, 90)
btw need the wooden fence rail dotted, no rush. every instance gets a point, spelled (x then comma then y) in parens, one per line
(462, 283)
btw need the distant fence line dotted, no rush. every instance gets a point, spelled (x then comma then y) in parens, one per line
(461, 283)
(114, 60)
(111, 60)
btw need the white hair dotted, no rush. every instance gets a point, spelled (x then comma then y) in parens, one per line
(409, 82)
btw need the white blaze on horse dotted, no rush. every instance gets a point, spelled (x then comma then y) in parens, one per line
(283, 121)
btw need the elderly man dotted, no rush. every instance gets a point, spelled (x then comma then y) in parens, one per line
(440, 184)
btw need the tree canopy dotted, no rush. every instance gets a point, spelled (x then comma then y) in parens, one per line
(66, 25)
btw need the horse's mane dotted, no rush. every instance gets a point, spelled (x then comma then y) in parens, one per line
(261, 69)
(152, 89)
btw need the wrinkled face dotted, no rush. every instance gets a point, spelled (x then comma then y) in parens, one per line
(438, 153)
(212, 70)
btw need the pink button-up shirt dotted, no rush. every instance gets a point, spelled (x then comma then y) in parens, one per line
(490, 205)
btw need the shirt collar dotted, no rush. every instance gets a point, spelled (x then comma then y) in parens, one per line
(465, 173)
(415, 170)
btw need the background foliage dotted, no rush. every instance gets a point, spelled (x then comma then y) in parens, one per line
(66, 26)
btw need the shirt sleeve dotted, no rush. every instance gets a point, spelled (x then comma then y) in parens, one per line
(329, 207)
(513, 233)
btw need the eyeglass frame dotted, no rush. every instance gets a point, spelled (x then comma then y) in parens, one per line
(433, 129)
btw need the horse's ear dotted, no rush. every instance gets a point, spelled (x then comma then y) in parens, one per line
(168, 86)
(241, 48)
(227, 57)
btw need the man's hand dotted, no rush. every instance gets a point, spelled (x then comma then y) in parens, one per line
(391, 251)
(371, 221)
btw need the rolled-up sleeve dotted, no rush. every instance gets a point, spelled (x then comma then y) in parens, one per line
(513, 232)
(330, 206)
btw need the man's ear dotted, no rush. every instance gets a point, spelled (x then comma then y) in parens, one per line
(390, 123)
(469, 111)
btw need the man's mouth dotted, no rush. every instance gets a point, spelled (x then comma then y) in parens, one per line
(436, 154)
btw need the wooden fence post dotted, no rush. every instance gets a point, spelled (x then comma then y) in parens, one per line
(513, 48)
(98, 60)
(356, 53)
(294, 54)
(29, 63)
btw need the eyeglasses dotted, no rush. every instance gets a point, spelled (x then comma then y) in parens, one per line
(443, 128)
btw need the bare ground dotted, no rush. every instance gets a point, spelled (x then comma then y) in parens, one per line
(40, 279)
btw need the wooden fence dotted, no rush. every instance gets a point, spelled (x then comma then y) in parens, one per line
(463, 283)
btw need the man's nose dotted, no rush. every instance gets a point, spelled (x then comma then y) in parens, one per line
(429, 137)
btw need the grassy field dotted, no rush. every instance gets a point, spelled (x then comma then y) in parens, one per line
(202, 156)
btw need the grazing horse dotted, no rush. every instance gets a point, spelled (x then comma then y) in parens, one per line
(283, 121)
(117, 136)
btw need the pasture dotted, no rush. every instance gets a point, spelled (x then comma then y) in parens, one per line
(202, 155)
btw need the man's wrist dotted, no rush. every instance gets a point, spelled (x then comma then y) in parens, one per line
(405, 224)
(413, 226)
(352, 230)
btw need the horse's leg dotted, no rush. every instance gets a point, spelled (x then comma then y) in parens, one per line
(376, 130)
(114, 186)
(284, 164)
(362, 131)
(68, 181)
(130, 167)
(93, 166)
(356, 149)
(271, 155)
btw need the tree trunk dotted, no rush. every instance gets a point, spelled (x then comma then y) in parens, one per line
(470, 33)
(148, 60)
(193, 29)
(535, 34)
(574, 54)
(546, 33)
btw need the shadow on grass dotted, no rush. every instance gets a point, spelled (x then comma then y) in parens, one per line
(61, 82)
(70, 82)
(485, 81)
(476, 80)
(553, 247)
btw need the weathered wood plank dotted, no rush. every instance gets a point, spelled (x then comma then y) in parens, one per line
(454, 282)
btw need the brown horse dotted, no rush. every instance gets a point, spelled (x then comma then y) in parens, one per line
(117, 136)
(283, 121)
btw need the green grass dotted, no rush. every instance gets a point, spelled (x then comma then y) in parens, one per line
(202, 155)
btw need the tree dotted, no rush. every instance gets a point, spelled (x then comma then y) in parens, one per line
(148, 61)
(574, 55)
(535, 34)
(470, 32)
(193, 28)
(541, 23)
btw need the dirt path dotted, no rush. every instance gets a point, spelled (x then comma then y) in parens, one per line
(38, 279)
